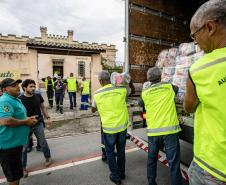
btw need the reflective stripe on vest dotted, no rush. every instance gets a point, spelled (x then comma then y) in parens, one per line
(116, 128)
(108, 89)
(161, 116)
(209, 167)
(218, 61)
(164, 129)
(71, 84)
(47, 84)
(111, 105)
(209, 77)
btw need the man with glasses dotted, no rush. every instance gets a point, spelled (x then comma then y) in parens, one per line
(206, 89)
(14, 129)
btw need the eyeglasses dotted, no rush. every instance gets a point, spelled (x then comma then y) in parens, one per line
(192, 35)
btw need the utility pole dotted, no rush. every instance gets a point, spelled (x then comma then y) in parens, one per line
(126, 38)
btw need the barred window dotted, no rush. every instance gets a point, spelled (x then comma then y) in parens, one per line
(81, 68)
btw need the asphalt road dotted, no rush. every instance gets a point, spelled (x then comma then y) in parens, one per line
(77, 162)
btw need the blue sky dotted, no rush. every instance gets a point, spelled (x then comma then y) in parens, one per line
(99, 21)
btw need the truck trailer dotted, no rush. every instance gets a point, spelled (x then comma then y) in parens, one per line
(152, 26)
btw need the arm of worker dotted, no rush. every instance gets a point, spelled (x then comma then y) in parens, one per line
(12, 122)
(140, 102)
(132, 87)
(6, 117)
(94, 107)
(46, 115)
(77, 85)
(191, 100)
(175, 88)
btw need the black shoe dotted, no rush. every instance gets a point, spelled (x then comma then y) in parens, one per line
(61, 111)
(57, 109)
(29, 149)
(71, 108)
(117, 182)
(122, 177)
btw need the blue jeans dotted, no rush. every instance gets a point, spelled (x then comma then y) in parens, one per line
(117, 167)
(103, 145)
(198, 176)
(72, 98)
(38, 130)
(172, 149)
(84, 102)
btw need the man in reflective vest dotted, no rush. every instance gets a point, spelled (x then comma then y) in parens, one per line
(71, 89)
(49, 85)
(162, 126)
(110, 101)
(85, 90)
(205, 96)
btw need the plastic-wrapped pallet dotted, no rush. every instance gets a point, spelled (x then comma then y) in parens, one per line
(197, 48)
(162, 58)
(181, 73)
(196, 56)
(169, 65)
(186, 49)
(167, 74)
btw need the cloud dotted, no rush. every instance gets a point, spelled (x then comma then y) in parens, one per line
(99, 21)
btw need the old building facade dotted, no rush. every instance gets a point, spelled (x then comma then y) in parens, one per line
(49, 55)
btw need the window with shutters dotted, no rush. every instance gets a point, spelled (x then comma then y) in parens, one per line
(81, 68)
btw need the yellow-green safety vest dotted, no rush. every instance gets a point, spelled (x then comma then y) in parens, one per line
(209, 76)
(111, 105)
(71, 84)
(161, 115)
(46, 83)
(85, 85)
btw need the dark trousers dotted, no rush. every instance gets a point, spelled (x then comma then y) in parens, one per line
(116, 166)
(38, 130)
(10, 160)
(59, 97)
(50, 98)
(172, 149)
(84, 102)
(103, 145)
(72, 98)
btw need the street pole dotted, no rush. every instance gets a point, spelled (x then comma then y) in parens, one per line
(126, 37)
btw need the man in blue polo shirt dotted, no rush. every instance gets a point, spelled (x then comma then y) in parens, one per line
(13, 130)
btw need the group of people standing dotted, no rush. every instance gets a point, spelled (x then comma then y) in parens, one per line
(58, 87)
(21, 115)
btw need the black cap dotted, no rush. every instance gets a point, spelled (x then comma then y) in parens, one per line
(8, 82)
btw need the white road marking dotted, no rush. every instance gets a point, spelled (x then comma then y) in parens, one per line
(68, 165)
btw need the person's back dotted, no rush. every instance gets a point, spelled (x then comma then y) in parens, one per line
(110, 101)
(159, 101)
(162, 125)
(111, 104)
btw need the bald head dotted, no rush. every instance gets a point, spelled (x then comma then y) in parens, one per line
(211, 10)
